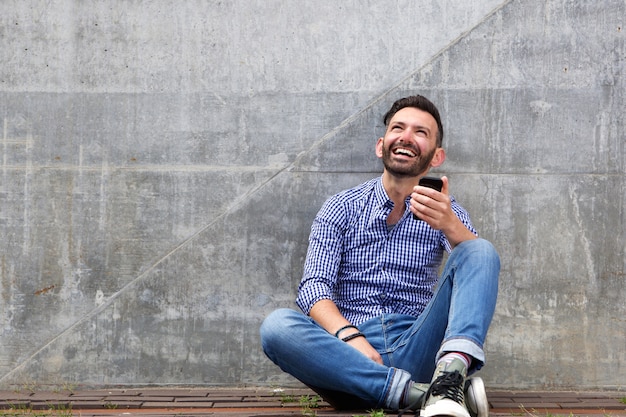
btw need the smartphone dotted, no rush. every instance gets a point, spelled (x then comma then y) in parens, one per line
(430, 182)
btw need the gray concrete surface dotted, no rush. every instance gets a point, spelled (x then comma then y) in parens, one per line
(162, 162)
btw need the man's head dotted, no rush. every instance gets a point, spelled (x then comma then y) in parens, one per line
(412, 141)
(421, 103)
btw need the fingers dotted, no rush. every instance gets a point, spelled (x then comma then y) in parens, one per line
(426, 200)
(362, 345)
(431, 205)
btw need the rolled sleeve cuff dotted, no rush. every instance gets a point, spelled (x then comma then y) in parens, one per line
(310, 293)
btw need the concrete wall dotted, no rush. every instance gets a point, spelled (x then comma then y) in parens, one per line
(162, 162)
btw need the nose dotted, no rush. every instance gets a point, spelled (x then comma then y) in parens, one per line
(406, 135)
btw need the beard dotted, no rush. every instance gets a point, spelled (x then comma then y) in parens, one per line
(407, 169)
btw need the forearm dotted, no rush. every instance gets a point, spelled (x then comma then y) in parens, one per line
(327, 315)
(456, 232)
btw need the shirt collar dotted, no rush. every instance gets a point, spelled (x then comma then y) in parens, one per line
(382, 198)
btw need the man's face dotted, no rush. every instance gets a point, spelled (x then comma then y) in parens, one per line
(409, 144)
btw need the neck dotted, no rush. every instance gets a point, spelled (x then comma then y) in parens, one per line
(398, 188)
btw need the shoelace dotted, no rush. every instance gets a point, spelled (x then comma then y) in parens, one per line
(448, 385)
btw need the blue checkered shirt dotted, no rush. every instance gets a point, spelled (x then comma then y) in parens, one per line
(366, 268)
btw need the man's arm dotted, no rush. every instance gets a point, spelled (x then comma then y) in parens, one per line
(327, 315)
(321, 269)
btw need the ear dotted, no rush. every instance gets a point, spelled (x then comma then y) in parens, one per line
(379, 148)
(438, 158)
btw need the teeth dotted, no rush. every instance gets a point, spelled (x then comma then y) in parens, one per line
(404, 152)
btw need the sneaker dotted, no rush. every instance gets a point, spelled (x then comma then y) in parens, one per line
(445, 397)
(476, 397)
(415, 398)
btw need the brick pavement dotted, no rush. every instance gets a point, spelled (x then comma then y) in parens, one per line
(267, 402)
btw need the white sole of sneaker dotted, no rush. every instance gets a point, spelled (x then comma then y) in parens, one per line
(445, 407)
(476, 399)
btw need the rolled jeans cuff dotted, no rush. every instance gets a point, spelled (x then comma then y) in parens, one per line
(399, 381)
(464, 346)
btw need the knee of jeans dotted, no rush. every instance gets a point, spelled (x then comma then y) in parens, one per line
(488, 248)
(481, 247)
(273, 325)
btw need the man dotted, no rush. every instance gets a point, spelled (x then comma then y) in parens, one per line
(380, 329)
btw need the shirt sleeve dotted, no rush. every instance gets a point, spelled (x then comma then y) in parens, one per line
(463, 215)
(323, 255)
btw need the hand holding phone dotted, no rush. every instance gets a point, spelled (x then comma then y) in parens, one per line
(430, 182)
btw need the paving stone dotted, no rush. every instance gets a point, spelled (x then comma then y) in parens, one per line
(50, 405)
(499, 394)
(49, 396)
(96, 392)
(266, 399)
(607, 404)
(121, 397)
(14, 405)
(175, 392)
(231, 392)
(172, 405)
(566, 400)
(12, 395)
(275, 404)
(90, 405)
(156, 398)
(251, 404)
(192, 399)
(109, 405)
(87, 398)
(265, 414)
(500, 404)
(225, 398)
(539, 405)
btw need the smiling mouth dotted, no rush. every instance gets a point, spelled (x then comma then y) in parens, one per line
(405, 152)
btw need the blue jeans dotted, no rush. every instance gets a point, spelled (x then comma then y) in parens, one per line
(455, 320)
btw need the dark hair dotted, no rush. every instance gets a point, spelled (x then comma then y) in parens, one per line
(421, 103)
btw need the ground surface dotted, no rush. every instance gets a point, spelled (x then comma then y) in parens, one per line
(154, 402)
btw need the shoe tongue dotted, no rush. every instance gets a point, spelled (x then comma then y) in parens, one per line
(454, 364)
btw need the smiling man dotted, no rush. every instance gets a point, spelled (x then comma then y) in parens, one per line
(379, 328)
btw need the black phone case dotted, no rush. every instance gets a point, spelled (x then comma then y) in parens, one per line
(431, 182)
